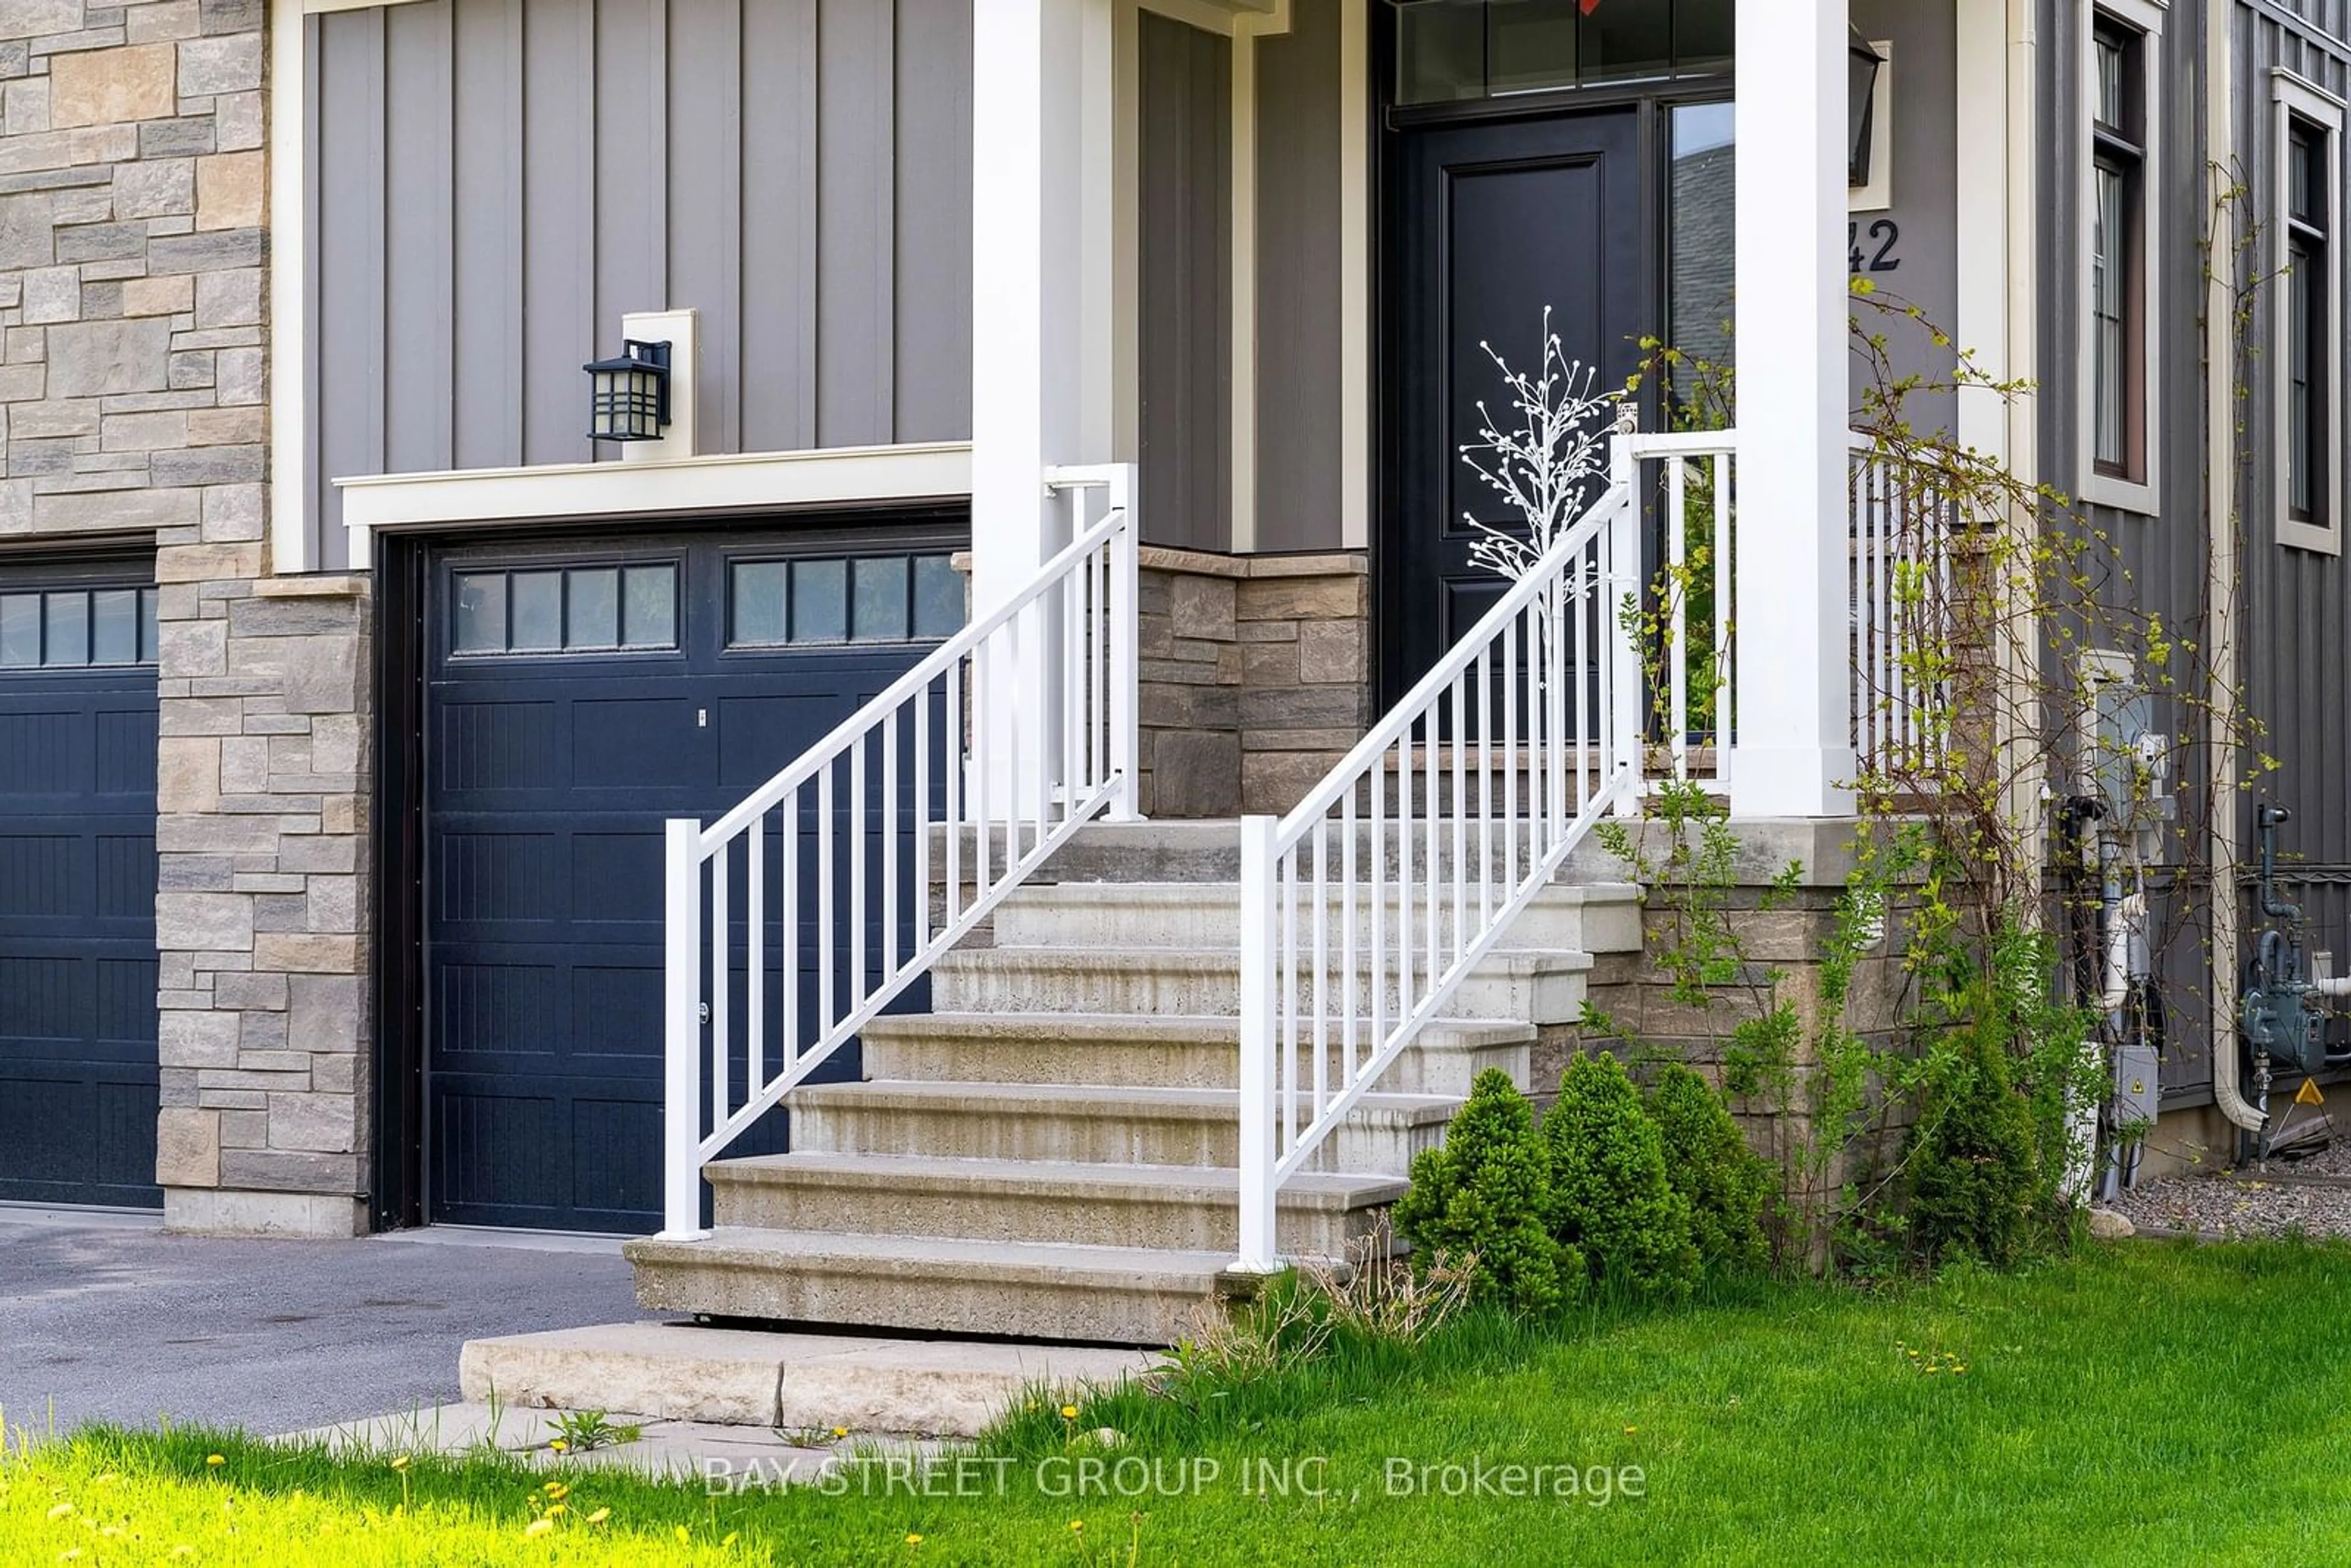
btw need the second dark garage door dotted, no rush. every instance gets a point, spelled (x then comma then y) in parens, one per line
(576, 697)
(77, 1071)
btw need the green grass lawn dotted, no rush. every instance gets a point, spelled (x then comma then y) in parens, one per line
(2138, 1403)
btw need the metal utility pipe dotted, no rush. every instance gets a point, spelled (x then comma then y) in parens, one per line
(2221, 580)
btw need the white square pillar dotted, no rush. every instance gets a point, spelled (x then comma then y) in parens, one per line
(1794, 746)
(1042, 336)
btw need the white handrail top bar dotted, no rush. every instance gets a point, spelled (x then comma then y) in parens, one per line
(1683, 443)
(945, 654)
(1463, 653)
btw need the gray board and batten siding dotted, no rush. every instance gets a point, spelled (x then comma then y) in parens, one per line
(1300, 397)
(2293, 629)
(2294, 632)
(494, 182)
(1184, 283)
(2155, 563)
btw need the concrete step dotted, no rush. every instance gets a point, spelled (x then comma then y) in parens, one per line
(1210, 850)
(1536, 987)
(1185, 1208)
(1207, 914)
(1168, 1052)
(1094, 1124)
(1047, 1290)
(779, 1382)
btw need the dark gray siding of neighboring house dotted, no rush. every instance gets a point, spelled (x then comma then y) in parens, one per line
(493, 182)
(2160, 561)
(2295, 636)
(1186, 284)
(1299, 398)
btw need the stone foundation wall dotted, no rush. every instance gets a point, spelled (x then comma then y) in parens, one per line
(1255, 677)
(133, 280)
(1635, 990)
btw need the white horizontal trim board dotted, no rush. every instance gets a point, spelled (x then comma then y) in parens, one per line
(835, 477)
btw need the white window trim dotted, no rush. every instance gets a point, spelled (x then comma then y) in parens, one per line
(2290, 95)
(2141, 496)
(652, 493)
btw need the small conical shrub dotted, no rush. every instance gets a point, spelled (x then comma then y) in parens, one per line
(1972, 1158)
(1485, 1192)
(1610, 1197)
(1708, 1163)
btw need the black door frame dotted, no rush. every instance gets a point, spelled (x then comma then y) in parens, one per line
(403, 579)
(1652, 101)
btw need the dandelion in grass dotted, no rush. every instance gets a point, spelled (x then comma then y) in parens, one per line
(215, 1461)
(538, 1527)
(599, 1516)
(915, 1539)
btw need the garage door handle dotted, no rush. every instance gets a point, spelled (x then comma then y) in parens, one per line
(702, 1009)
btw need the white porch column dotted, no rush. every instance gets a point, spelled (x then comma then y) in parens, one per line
(1042, 284)
(1794, 745)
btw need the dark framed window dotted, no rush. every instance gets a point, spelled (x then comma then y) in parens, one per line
(75, 628)
(2117, 249)
(1449, 51)
(2309, 291)
(833, 598)
(620, 608)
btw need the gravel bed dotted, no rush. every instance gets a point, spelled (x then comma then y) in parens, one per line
(2243, 1203)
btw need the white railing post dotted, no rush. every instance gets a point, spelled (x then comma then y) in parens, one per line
(681, 1031)
(1257, 1067)
(1621, 577)
(1126, 644)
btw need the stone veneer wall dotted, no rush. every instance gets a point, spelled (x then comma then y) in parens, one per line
(1790, 936)
(132, 383)
(1256, 677)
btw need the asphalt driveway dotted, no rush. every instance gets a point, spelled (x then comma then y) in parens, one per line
(122, 1323)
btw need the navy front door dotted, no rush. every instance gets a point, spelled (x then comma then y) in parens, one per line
(576, 698)
(77, 970)
(1494, 222)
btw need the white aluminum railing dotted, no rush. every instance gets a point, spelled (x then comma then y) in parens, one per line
(1019, 728)
(1359, 921)
(1898, 586)
(1901, 584)
(1694, 492)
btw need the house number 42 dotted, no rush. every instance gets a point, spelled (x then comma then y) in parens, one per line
(1875, 252)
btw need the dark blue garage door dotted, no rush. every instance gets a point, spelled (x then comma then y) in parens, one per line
(77, 1077)
(576, 698)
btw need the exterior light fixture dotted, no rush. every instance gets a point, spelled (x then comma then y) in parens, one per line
(1862, 65)
(628, 397)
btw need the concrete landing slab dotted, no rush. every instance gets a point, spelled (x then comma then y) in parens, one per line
(692, 1450)
(781, 1382)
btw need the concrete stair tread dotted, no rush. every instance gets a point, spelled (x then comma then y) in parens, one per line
(1091, 1098)
(1222, 960)
(1149, 1028)
(911, 1172)
(1071, 1264)
(1125, 893)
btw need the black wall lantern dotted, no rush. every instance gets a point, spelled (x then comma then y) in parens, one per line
(1862, 65)
(628, 397)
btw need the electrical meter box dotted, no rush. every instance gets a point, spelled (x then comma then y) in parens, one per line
(2125, 761)
(2138, 1093)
